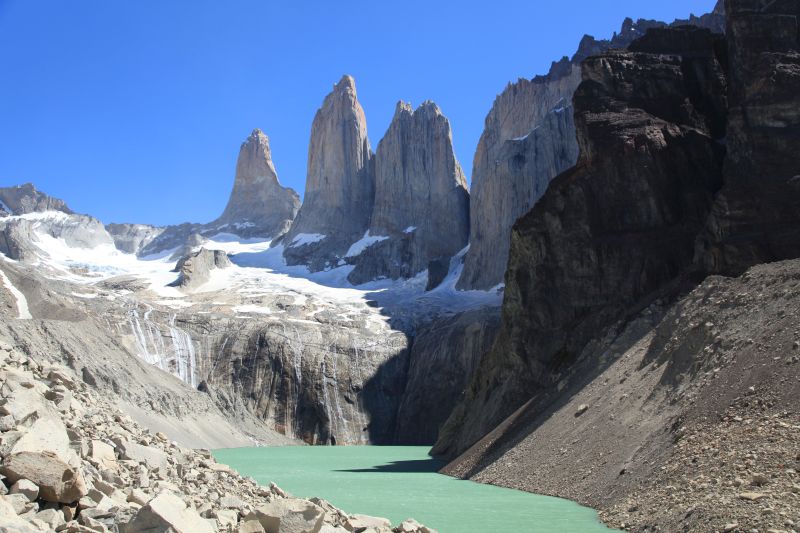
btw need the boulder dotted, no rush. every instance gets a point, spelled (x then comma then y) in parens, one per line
(57, 480)
(288, 515)
(166, 512)
(103, 454)
(27, 488)
(10, 522)
(360, 522)
(151, 457)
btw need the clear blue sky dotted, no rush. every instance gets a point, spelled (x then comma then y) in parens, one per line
(134, 110)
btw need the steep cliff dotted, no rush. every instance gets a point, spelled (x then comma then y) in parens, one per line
(340, 183)
(421, 208)
(258, 204)
(616, 228)
(621, 377)
(528, 139)
(756, 217)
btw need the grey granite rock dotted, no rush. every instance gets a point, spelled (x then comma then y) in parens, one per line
(258, 204)
(421, 209)
(340, 184)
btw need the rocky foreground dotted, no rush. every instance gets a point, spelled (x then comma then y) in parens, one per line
(71, 462)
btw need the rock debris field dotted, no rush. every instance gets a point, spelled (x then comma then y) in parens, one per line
(72, 463)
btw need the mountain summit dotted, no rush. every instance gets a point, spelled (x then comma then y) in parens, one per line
(258, 200)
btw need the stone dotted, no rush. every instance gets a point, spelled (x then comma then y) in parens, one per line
(103, 454)
(288, 516)
(231, 502)
(412, 526)
(752, 496)
(250, 526)
(167, 512)
(581, 409)
(53, 518)
(340, 185)
(138, 496)
(153, 458)
(360, 522)
(19, 502)
(759, 480)
(27, 488)
(57, 480)
(227, 518)
(10, 522)
(195, 269)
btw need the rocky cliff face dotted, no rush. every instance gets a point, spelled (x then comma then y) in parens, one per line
(258, 205)
(421, 209)
(528, 139)
(443, 357)
(25, 199)
(340, 184)
(614, 229)
(755, 219)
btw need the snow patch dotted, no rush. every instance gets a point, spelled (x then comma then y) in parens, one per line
(303, 239)
(358, 247)
(23, 313)
(252, 309)
(410, 229)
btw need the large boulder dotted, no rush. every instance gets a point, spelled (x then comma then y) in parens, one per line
(288, 515)
(58, 481)
(195, 269)
(167, 513)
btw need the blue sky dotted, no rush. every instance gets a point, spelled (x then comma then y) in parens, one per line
(134, 110)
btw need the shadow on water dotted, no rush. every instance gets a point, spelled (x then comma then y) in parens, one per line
(402, 467)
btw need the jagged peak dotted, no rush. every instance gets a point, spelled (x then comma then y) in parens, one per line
(257, 136)
(347, 83)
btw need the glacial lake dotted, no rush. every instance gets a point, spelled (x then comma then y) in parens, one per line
(398, 482)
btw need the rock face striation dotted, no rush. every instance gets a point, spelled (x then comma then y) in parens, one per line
(528, 139)
(614, 229)
(258, 205)
(615, 356)
(421, 209)
(340, 183)
(756, 219)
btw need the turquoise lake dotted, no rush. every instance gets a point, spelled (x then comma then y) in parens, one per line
(398, 482)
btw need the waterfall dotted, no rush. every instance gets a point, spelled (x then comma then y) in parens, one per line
(178, 359)
(184, 356)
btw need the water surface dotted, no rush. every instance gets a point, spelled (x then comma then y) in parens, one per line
(398, 482)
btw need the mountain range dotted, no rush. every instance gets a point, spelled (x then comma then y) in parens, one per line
(618, 281)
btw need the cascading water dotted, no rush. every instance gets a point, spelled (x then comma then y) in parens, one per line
(178, 359)
(183, 350)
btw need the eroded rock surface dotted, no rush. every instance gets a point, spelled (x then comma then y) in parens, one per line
(340, 183)
(258, 205)
(609, 232)
(528, 139)
(421, 209)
